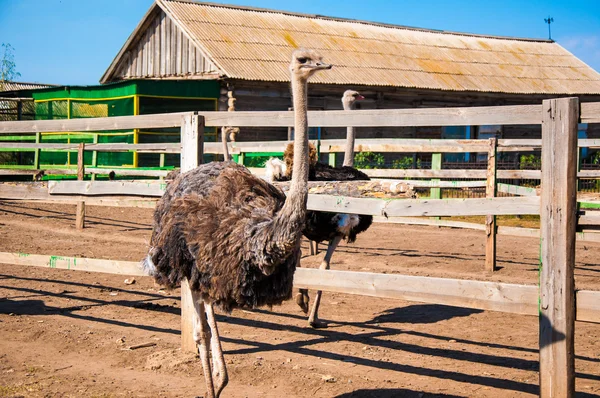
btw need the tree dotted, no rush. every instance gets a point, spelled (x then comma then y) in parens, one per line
(8, 68)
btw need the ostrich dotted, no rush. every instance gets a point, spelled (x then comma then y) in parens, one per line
(349, 101)
(235, 237)
(325, 226)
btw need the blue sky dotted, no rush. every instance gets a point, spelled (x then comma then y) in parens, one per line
(74, 41)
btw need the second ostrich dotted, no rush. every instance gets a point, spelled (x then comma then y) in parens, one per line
(233, 236)
(325, 226)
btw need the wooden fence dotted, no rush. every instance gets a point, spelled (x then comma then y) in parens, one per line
(557, 206)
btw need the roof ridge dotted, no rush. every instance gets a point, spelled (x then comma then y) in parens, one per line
(372, 23)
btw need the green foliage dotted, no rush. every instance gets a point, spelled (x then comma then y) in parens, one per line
(595, 158)
(368, 160)
(406, 162)
(530, 162)
(256, 161)
(8, 68)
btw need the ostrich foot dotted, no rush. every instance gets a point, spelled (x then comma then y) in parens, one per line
(318, 324)
(302, 300)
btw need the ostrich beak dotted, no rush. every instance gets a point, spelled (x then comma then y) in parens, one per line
(321, 65)
(360, 97)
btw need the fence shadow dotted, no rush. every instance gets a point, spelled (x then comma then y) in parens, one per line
(422, 313)
(394, 393)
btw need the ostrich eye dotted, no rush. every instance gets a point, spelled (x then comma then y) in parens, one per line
(302, 60)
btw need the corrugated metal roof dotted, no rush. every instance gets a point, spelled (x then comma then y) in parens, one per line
(14, 86)
(256, 44)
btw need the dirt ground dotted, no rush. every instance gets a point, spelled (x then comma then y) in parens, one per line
(68, 333)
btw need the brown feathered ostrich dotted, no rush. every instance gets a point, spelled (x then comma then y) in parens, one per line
(325, 226)
(235, 237)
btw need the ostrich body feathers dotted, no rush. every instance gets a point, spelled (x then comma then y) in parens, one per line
(217, 226)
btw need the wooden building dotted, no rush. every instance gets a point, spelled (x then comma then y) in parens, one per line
(248, 50)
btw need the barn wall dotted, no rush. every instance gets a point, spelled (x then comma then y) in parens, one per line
(162, 51)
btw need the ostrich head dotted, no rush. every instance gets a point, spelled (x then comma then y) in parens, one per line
(306, 62)
(350, 97)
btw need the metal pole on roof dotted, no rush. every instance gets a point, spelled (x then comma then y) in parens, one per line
(549, 20)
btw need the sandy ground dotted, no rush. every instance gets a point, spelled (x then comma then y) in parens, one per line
(67, 333)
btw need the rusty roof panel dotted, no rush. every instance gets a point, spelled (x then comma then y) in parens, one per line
(256, 44)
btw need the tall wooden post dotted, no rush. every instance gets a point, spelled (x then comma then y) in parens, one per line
(490, 220)
(436, 164)
(80, 213)
(36, 154)
(558, 221)
(192, 150)
(94, 156)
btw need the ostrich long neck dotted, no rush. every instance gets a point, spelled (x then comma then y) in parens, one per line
(224, 132)
(349, 152)
(294, 208)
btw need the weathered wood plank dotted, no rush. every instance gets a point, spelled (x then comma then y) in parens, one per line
(451, 174)
(428, 222)
(589, 218)
(518, 299)
(490, 220)
(88, 170)
(558, 225)
(140, 148)
(438, 184)
(400, 145)
(80, 212)
(424, 207)
(590, 112)
(406, 145)
(192, 149)
(38, 192)
(73, 263)
(588, 306)
(93, 188)
(517, 190)
(95, 124)
(504, 297)
(506, 115)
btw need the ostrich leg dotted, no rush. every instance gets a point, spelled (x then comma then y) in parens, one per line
(218, 361)
(201, 336)
(313, 319)
(314, 247)
(302, 299)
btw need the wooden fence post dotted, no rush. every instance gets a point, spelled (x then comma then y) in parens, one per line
(436, 164)
(94, 156)
(80, 212)
(36, 154)
(192, 150)
(490, 220)
(558, 221)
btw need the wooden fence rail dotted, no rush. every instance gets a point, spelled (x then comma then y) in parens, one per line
(494, 296)
(391, 145)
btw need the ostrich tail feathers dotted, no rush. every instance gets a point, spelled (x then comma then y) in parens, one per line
(148, 266)
(275, 169)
